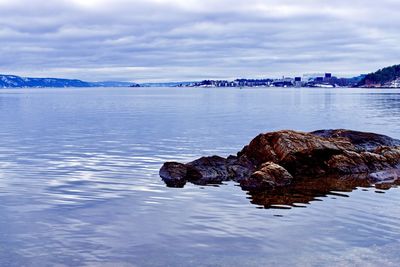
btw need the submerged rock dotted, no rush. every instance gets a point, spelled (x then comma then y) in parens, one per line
(277, 159)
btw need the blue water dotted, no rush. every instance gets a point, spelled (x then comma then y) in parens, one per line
(79, 182)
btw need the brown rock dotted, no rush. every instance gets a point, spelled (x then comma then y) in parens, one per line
(375, 161)
(349, 162)
(298, 152)
(270, 175)
(392, 154)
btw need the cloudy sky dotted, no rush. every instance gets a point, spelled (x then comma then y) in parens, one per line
(165, 40)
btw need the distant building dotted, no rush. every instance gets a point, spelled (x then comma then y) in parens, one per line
(297, 82)
(393, 84)
(311, 76)
(284, 82)
(328, 77)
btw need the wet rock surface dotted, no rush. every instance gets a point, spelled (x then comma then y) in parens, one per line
(362, 140)
(283, 159)
(174, 174)
(269, 175)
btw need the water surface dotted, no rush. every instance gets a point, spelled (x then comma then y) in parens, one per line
(79, 182)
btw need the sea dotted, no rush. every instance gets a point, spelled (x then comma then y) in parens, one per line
(79, 182)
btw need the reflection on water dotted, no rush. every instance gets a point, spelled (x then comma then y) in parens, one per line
(79, 182)
(307, 190)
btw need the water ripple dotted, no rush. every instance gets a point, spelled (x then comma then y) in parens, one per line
(79, 182)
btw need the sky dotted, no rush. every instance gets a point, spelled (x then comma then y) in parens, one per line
(188, 40)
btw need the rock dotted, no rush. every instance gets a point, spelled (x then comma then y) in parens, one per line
(362, 140)
(277, 159)
(298, 152)
(352, 162)
(270, 175)
(208, 170)
(239, 168)
(349, 162)
(392, 154)
(174, 174)
(375, 161)
(388, 176)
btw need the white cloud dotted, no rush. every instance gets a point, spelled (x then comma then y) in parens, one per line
(194, 39)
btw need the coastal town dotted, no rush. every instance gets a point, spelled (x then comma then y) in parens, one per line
(388, 77)
(326, 80)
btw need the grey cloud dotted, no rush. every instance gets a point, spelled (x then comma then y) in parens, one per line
(194, 39)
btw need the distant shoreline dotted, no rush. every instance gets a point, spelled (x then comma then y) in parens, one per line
(388, 77)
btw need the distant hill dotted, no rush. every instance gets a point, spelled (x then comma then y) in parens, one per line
(12, 81)
(386, 77)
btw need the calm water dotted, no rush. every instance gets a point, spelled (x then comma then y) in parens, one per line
(79, 182)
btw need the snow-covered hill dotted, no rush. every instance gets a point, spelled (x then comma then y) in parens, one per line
(12, 81)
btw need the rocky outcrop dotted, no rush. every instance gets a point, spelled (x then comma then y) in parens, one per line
(279, 159)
